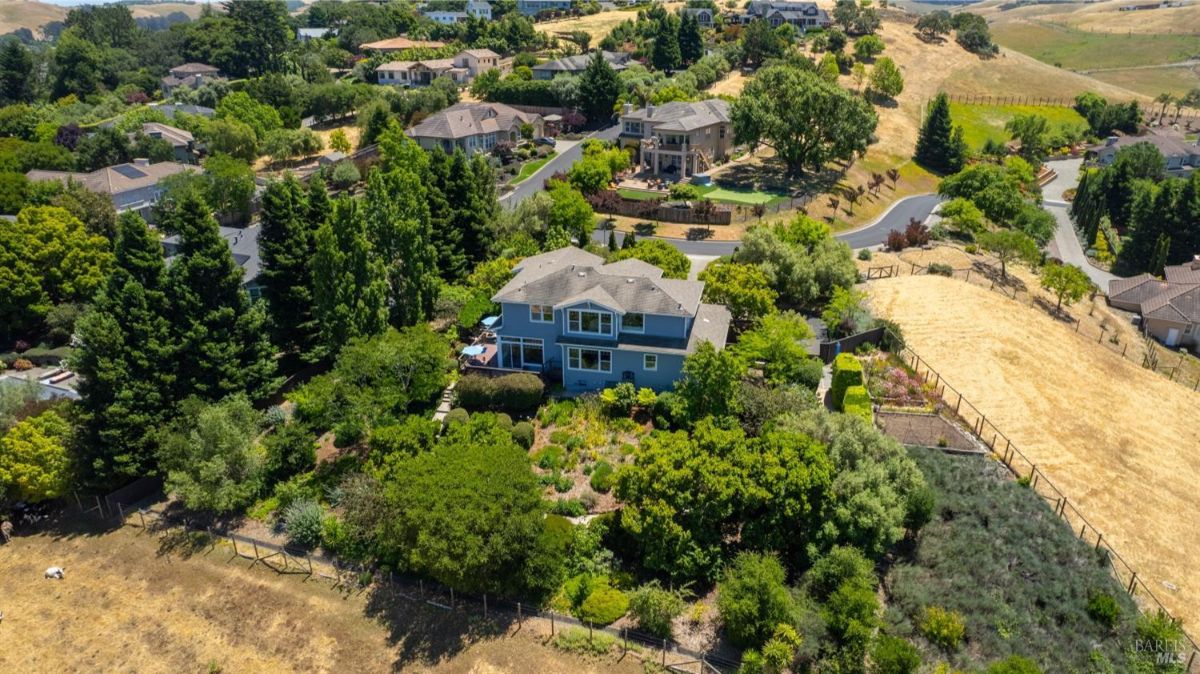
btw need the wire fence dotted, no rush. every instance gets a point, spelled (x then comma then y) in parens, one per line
(353, 576)
(1178, 367)
(1184, 115)
(1028, 472)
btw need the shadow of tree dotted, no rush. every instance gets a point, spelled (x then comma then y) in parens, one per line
(771, 175)
(183, 543)
(424, 633)
(1059, 314)
(992, 273)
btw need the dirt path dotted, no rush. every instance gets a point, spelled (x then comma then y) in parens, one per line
(132, 602)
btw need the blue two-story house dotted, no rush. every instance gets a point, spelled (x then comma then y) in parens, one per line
(601, 324)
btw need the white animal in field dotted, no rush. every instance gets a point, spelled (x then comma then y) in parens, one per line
(6, 530)
(56, 572)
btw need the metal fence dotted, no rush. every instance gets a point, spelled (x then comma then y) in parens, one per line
(346, 575)
(1024, 469)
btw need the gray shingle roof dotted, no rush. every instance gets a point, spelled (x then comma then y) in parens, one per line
(632, 267)
(243, 244)
(579, 62)
(681, 116)
(1179, 303)
(117, 179)
(469, 119)
(1183, 273)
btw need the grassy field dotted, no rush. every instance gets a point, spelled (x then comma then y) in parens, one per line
(988, 532)
(983, 122)
(1080, 50)
(1117, 439)
(597, 25)
(1154, 81)
(134, 602)
(1104, 16)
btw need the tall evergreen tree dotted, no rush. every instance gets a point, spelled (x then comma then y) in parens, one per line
(224, 347)
(287, 245)
(1186, 241)
(16, 70)
(125, 361)
(666, 54)
(939, 148)
(319, 205)
(349, 285)
(447, 237)
(598, 88)
(691, 42)
(398, 227)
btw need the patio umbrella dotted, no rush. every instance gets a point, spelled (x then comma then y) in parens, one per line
(490, 321)
(473, 350)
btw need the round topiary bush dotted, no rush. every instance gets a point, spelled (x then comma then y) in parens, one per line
(21, 364)
(522, 433)
(302, 520)
(504, 421)
(942, 628)
(456, 416)
(604, 606)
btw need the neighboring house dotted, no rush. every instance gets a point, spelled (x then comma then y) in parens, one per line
(445, 17)
(575, 65)
(480, 10)
(330, 158)
(678, 139)
(474, 127)
(802, 15)
(169, 109)
(704, 15)
(243, 243)
(1170, 308)
(44, 390)
(399, 44)
(189, 76)
(420, 73)
(306, 34)
(601, 324)
(181, 141)
(1179, 156)
(477, 61)
(132, 187)
(535, 7)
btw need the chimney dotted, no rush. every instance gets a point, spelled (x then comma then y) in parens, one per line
(626, 108)
(141, 161)
(1196, 261)
(1110, 141)
(649, 110)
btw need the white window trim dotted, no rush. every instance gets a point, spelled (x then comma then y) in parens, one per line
(599, 360)
(636, 331)
(601, 314)
(539, 320)
(520, 342)
(646, 367)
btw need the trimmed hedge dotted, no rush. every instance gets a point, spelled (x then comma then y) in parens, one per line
(39, 356)
(858, 402)
(522, 432)
(847, 372)
(517, 393)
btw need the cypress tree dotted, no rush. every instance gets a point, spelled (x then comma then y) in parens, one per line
(447, 237)
(125, 363)
(598, 88)
(691, 42)
(16, 68)
(939, 148)
(665, 55)
(287, 244)
(319, 206)
(349, 286)
(223, 342)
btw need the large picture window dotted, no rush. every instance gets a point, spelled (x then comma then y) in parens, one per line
(589, 360)
(586, 322)
(521, 353)
(633, 323)
(541, 313)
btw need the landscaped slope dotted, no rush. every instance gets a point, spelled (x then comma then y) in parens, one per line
(1117, 439)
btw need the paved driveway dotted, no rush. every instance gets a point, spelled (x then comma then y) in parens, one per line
(1066, 241)
(569, 152)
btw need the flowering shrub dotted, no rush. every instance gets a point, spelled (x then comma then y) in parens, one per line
(896, 386)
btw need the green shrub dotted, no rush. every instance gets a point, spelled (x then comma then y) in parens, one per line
(303, 520)
(602, 477)
(349, 432)
(843, 564)
(518, 393)
(894, 656)
(683, 192)
(550, 457)
(604, 605)
(504, 421)
(568, 507)
(864, 254)
(298, 488)
(1158, 628)
(857, 401)
(456, 416)
(522, 433)
(556, 414)
(290, 449)
(941, 269)
(580, 641)
(1015, 664)
(847, 372)
(942, 628)
(809, 372)
(1104, 609)
(753, 599)
(620, 399)
(970, 249)
(562, 483)
(559, 436)
(574, 443)
(412, 436)
(655, 607)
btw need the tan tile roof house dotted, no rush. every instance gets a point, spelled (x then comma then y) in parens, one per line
(465, 66)
(474, 127)
(1170, 307)
(190, 75)
(132, 186)
(400, 44)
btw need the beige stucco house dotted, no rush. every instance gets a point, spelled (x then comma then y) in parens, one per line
(1170, 307)
(474, 127)
(678, 139)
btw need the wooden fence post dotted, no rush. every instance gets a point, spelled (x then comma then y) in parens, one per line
(235, 550)
(121, 513)
(664, 661)
(142, 517)
(1132, 583)
(485, 609)
(1099, 539)
(552, 623)
(255, 544)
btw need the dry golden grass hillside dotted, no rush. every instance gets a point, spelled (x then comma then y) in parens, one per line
(16, 14)
(1119, 440)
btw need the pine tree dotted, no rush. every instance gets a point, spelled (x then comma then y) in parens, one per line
(612, 240)
(691, 42)
(349, 284)
(666, 54)
(598, 88)
(125, 363)
(319, 205)
(1161, 249)
(629, 240)
(287, 244)
(16, 69)
(223, 343)
(1100, 245)
(486, 201)
(938, 147)
(447, 238)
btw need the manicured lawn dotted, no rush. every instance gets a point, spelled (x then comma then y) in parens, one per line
(1079, 50)
(531, 168)
(638, 195)
(722, 195)
(983, 122)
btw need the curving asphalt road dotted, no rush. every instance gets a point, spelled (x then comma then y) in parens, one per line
(874, 234)
(561, 162)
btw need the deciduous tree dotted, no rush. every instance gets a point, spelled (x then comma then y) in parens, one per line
(1068, 282)
(210, 457)
(743, 288)
(1008, 246)
(34, 461)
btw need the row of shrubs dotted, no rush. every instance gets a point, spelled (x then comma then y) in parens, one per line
(517, 393)
(522, 431)
(915, 234)
(848, 389)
